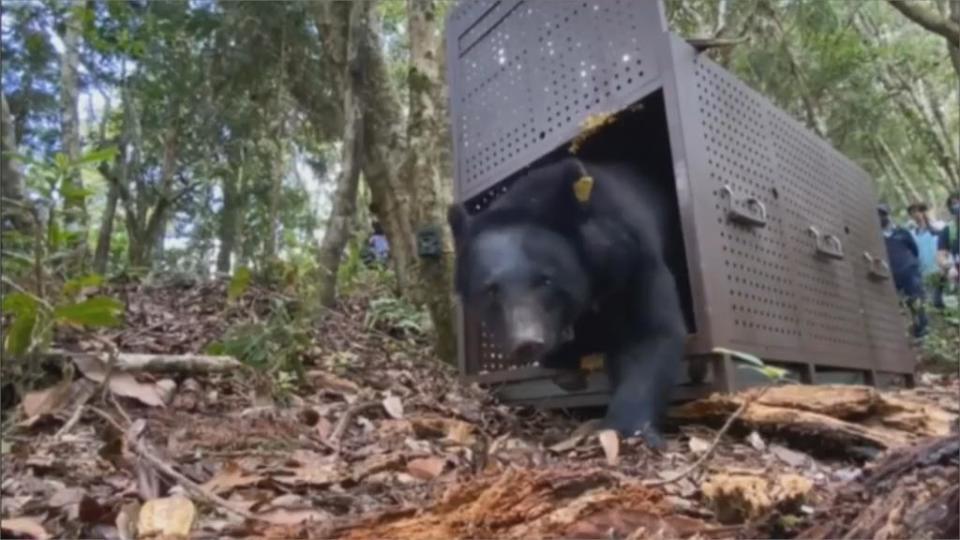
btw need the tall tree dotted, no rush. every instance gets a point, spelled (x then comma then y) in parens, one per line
(11, 177)
(946, 26)
(74, 206)
(414, 196)
(337, 231)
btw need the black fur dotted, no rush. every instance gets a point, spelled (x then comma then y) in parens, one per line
(611, 267)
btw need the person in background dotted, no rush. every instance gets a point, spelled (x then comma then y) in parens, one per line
(904, 260)
(948, 245)
(926, 238)
(379, 244)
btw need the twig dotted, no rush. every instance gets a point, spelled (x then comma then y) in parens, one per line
(348, 416)
(716, 440)
(119, 408)
(113, 352)
(75, 417)
(168, 470)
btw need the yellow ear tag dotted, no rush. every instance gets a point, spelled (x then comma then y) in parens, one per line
(593, 362)
(582, 188)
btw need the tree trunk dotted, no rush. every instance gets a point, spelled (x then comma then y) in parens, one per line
(229, 219)
(102, 253)
(11, 178)
(422, 169)
(953, 47)
(932, 21)
(337, 231)
(74, 206)
(383, 151)
(273, 202)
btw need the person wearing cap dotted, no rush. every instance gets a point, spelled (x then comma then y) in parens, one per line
(948, 245)
(926, 237)
(904, 259)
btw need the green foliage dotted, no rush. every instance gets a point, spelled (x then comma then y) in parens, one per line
(239, 283)
(397, 315)
(274, 346)
(73, 286)
(23, 309)
(96, 311)
(754, 363)
(940, 346)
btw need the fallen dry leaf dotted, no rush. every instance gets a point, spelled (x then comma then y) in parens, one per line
(121, 384)
(314, 474)
(426, 468)
(329, 381)
(788, 456)
(65, 497)
(167, 517)
(127, 519)
(435, 427)
(46, 401)
(698, 445)
(24, 525)
(610, 442)
(577, 436)
(393, 406)
(756, 441)
(229, 477)
(293, 516)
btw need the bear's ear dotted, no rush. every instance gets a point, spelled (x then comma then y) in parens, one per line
(457, 219)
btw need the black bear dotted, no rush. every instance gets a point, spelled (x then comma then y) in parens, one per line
(560, 267)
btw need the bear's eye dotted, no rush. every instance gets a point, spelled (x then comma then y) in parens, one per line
(544, 281)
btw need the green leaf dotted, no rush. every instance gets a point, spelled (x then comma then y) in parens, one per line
(96, 311)
(239, 283)
(61, 161)
(742, 356)
(771, 372)
(18, 337)
(73, 192)
(94, 156)
(75, 285)
(215, 348)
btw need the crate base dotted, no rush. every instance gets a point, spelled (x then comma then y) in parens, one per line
(704, 376)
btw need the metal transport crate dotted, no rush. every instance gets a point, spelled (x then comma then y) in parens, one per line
(784, 253)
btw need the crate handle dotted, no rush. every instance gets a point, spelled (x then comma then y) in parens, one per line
(828, 245)
(879, 268)
(746, 211)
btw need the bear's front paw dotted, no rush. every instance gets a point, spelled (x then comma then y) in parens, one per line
(632, 420)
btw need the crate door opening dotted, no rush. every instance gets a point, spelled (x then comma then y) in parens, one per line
(637, 135)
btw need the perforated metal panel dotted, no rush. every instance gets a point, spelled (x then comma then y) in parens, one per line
(883, 320)
(528, 72)
(742, 169)
(780, 230)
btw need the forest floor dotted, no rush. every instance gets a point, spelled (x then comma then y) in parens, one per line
(381, 441)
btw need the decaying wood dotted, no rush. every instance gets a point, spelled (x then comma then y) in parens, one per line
(165, 363)
(911, 493)
(526, 503)
(844, 414)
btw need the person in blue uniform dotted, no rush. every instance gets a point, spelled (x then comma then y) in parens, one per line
(904, 259)
(948, 244)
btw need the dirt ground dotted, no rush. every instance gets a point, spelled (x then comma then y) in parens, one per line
(381, 441)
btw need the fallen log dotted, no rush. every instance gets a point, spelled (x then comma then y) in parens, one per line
(909, 493)
(161, 363)
(839, 416)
